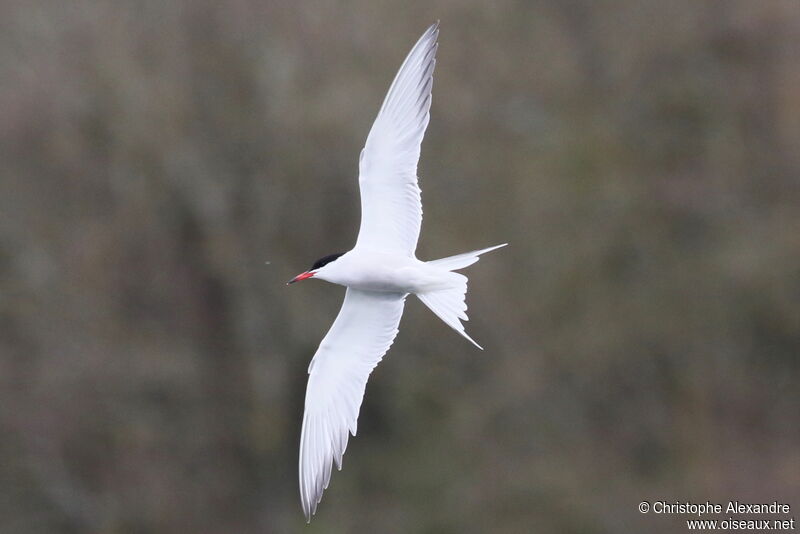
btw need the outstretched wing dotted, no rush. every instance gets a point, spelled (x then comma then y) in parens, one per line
(391, 209)
(362, 333)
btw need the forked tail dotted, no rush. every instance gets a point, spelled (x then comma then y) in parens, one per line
(448, 304)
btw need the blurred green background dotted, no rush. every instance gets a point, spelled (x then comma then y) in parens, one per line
(642, 330)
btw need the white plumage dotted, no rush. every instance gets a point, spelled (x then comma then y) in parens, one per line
(360, 336)
(379, 273)
(391, 208)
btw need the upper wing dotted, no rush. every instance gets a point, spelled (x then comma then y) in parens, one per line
(391, 209)
(360, 336)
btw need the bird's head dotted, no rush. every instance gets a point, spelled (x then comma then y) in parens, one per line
(318, 265)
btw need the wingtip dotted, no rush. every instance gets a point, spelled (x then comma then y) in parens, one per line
(310, 510)
(433, 29)
(470, 339)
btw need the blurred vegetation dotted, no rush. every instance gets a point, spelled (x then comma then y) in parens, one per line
(642, 330)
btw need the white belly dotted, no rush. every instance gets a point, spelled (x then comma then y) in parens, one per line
(371, 271)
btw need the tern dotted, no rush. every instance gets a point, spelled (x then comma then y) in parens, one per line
(379, 273)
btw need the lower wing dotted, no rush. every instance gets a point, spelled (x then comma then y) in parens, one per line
(360, 336)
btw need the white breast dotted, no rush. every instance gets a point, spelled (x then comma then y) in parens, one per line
(378, 271)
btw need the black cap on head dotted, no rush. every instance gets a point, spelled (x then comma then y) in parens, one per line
(322, 262)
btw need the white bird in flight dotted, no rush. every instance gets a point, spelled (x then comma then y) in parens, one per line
(379, 273)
